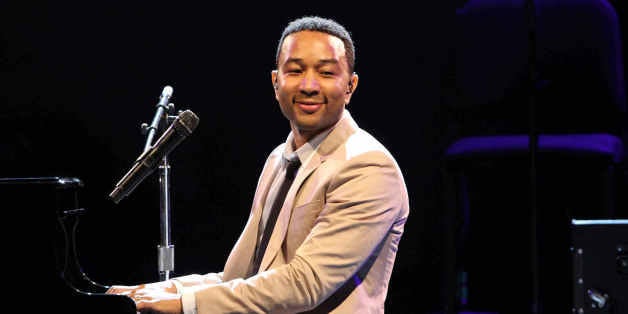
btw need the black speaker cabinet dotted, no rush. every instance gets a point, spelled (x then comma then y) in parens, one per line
(600, 266)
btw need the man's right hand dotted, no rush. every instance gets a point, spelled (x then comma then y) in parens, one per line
(162, 286)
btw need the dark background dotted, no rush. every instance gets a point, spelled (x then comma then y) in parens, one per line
(78, 79)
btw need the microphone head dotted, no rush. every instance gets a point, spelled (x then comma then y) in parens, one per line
(167, 91)
(189, 120)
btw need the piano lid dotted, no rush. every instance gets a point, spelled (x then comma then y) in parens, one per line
(62, 182)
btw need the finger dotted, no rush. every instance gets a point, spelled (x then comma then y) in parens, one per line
(123, 292)
(116, 291)
(122, 289)
(143, 306)
(140, 306)
(142, 297)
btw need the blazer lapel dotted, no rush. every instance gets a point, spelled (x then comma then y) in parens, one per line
(336, 137)
(281, 226)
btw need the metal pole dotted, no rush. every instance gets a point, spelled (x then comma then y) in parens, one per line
(536, 306)
(165, 249)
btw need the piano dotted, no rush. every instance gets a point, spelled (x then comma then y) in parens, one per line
(41, 268)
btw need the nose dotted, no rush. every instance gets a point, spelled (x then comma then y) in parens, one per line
(309, 85)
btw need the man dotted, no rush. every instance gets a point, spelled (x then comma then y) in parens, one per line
(336, 235)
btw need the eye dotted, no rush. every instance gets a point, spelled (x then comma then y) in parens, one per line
(294, 71)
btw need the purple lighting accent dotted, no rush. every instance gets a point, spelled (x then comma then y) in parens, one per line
(469, 312)
(585, 144)
(357, 280)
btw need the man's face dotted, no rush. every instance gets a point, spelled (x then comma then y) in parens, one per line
(312, 81)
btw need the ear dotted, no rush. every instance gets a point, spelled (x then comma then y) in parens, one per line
(273, 76)
(351, 86)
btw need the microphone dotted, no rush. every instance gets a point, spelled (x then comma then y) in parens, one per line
(162, 107)
(166, 93)
(146, 163)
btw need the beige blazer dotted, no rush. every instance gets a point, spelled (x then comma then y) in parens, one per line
(335, 240)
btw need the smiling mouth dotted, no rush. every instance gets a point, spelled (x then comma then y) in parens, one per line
(309, 107)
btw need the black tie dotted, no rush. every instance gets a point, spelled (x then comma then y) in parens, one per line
(291, 169)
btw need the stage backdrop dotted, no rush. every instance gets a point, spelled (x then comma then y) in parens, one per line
(79, 78)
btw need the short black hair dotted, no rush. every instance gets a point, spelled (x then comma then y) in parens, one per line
(319, 24)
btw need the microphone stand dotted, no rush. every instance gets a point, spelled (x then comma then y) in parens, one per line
(165, 249)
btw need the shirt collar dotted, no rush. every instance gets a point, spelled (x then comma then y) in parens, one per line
(307, 150)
